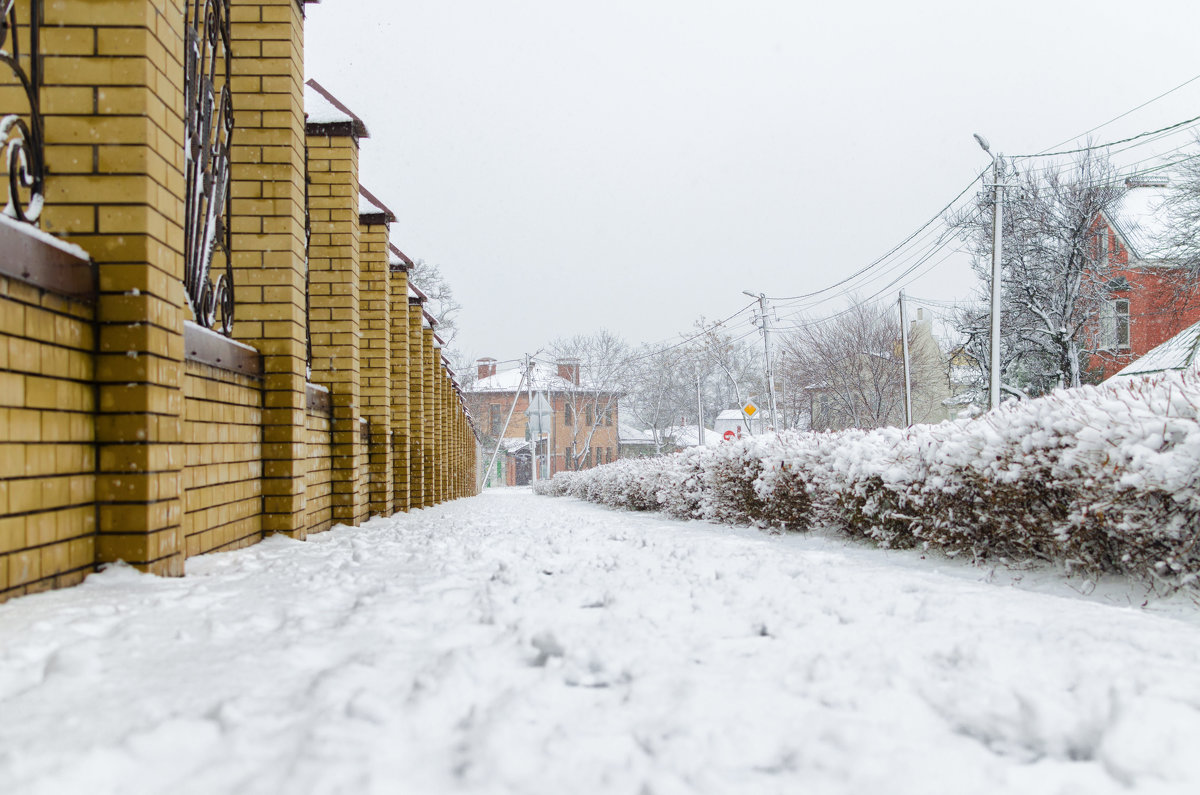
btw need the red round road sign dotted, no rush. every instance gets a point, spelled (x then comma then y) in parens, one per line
(729, 435)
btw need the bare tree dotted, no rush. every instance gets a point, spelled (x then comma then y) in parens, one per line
(849, 367)
(660, 384)
(1182, 244)
(442, 304)
(729, 367)
(600, 360)
(1055, 276)
(1182, 208)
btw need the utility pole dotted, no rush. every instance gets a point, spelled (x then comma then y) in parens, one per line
(532, 439)
(764, 312)
(997, 250)
(507, 420)
(699, 412)
(907, 368)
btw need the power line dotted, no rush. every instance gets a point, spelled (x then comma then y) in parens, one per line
(894, 249)
(1121, 116)
(1094, 147)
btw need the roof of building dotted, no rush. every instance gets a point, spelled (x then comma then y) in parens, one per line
(326, 113)
(371, 209)
(627, 434)
(686, 436)
(545, 377)
(1139, 218)
(1181, 352)
(397, 258)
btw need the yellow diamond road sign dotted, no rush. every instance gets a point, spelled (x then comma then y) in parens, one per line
(749, 409)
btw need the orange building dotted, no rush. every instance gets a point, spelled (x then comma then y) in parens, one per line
(583, 427)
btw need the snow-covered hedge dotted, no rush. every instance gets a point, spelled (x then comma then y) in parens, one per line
(1106, 478)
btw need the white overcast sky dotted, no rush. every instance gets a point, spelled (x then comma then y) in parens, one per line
(635, 164)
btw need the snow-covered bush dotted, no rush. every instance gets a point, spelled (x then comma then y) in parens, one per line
(1106, 478)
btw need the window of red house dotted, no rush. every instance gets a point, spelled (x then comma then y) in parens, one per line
(1114, 324)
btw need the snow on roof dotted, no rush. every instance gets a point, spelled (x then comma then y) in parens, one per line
(321, 107)
(685, 436)
(512, 445)
(398, 257)
(627, 434)
(1139, 218)
(731, 414)
(1181, 352)
(369, 204)
(544, 378)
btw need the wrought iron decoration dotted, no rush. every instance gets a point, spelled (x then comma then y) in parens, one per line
(308, 352)
(23, 141)
(209, 129)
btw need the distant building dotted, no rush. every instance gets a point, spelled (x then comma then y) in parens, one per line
(1181, 353)
(585, 420)
(1150, 298)
(634, 443)
(681, 437)
(736, 420)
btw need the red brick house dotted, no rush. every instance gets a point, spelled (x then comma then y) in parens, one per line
(1149, 297)
(585, 422)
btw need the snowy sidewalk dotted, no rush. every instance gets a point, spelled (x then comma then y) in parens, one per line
(516, 644)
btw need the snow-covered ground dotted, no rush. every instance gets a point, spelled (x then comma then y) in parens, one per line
(516, 644)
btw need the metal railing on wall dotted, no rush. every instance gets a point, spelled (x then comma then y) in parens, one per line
(209, 130)
(22, 139)
(29, 255)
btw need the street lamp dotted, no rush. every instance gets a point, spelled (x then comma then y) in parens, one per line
(997, 250)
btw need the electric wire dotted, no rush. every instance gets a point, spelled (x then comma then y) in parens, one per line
(1094, 147)
(940, 214)
(1122, 115)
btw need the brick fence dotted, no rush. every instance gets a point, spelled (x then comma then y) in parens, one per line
(129, 430)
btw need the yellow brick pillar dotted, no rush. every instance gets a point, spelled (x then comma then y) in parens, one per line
(114, 131)
(375, 292)
(439, 419)
(429, 392)
(444, 431)
(401, 417)
(268, 226)
(334, 320)
(448, 423)
(451, 438)
(459, 452)
(416, 397)
(464, 435)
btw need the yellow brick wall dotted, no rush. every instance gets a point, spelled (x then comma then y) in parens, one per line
(114, 132)
(268, 237)
(375, 315)
(441, 452)
(334, 289)
(416, 405)
(47, 442)
(429, 429)
(318, 478)
(222, 477)
(401, 418)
